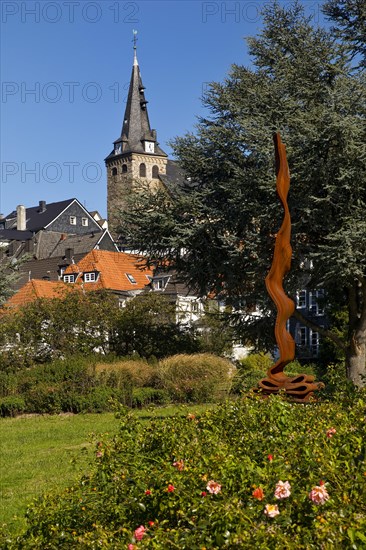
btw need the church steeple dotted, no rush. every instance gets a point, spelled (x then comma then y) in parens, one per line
(136, 157)
(136, 134)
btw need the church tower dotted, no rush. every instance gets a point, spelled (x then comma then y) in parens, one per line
(136, 156)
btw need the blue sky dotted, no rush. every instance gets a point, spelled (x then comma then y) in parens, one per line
(65, 69)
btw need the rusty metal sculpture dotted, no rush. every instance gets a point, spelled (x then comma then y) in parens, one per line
(300, 387)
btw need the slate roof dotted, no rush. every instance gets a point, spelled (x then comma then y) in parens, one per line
(37, 289)
(174, 287)
(36, 219)
(113, 268)
(39, 269)
(136, 125)
(15, 235)
(174, 176)
(51, 244)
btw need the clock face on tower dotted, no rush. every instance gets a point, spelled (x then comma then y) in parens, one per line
(149, 147)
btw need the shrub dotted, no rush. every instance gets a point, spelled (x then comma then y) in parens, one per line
(139, 373)
(255, 362)
(11, 405)
(206, 482)
(196, 378)
(147, 396)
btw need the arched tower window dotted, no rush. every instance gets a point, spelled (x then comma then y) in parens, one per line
(142, 170)
(114, 171)
(124, 168)
(155, 172)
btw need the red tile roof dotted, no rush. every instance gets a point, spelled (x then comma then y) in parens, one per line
(113, 268)
(37, 288)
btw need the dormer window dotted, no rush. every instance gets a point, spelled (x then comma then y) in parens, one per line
(90, 277)
(118, 148)
(160, 284)
(69, 278)
(131, 278)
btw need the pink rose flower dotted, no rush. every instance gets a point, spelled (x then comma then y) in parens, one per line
(331, 432)
(213, 487)
(283, 490)
(319, 494)
(131, 547)
(140, 532)
(271, 510)
(171, 488)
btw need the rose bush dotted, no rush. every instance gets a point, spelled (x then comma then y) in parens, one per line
(248, 474)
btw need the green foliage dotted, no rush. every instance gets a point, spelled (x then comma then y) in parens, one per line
(196, 378)
(147, 326)
(45, 329)
(214, 332)
(81, 384)
(11, 405)
(349, 17)
(142, 397)
(157, 475)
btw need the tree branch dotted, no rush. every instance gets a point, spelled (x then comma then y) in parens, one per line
(323, 331)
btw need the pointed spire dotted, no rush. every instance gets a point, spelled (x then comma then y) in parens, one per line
(136, 129)
(135, 62)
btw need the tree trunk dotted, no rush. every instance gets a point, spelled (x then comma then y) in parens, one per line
(356, 362)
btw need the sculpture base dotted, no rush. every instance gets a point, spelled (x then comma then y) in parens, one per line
(299, 388)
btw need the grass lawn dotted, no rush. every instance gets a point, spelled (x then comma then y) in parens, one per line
(43, 452)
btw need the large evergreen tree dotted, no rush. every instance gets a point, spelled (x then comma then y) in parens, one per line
(219, 230)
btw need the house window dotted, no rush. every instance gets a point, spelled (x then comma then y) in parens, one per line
(314, 306)
(114, 171)
(124, 168)
(194, 307)
(142, 170)
(303, 337)
(301, 298)
(314, 343)
(72, 220)
(159, 284)
(131, 278)
(155, 172)
(89, 277)
(84, 222)
(69, 278)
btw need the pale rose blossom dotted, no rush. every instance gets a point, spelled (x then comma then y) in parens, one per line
(140, 532)
(213, 487)
(319, 494)
(131, 547)
(331, 432)
(271, 510)
(283, 490)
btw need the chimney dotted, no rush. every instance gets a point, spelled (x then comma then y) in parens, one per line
(21, 218)
(42, 206)
(69, 253)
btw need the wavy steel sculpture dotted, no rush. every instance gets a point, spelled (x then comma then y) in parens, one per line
(300, 387)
